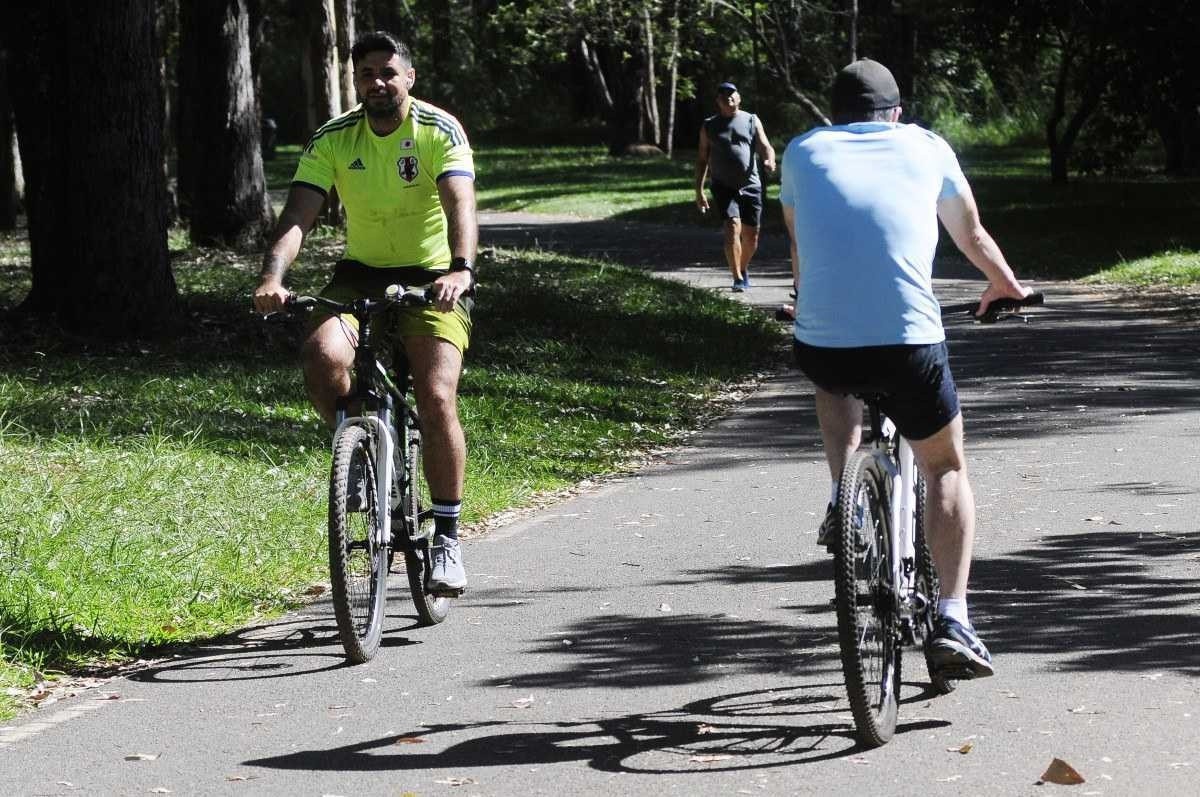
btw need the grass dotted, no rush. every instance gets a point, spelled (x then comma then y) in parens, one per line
(1174, 269)
(1089, 226)
(156, 494)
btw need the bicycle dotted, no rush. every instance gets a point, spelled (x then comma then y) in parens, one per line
(885, 584)
(378, 448)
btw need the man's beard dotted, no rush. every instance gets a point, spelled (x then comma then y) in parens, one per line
(385, 110)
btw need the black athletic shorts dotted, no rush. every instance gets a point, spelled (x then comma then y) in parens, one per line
(733, 203)
(916, 388)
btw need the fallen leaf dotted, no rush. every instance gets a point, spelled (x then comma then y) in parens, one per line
(708, 759)
(143, 757)
(410, 740)
(964, 749)
(456, 781)
(316, 589)
(703, 729)
(1062, 773)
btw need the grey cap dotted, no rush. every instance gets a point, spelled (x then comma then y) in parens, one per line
(865, 85)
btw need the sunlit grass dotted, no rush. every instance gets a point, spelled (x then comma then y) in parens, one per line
(161, 492)
(1174, 269)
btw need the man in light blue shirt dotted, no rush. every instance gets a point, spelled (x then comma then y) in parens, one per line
(862, 200)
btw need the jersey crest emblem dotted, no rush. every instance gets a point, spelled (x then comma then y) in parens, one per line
(356, 165)
(408, 168)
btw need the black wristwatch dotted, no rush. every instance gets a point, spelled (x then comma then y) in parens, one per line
(463, 264)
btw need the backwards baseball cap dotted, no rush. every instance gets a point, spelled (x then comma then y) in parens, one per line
(726, 88)
(865, 85)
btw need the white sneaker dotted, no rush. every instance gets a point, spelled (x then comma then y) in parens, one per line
(448, 573)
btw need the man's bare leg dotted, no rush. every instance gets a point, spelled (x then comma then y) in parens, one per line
(748, 237)
(733, 247)
(949, 506)
(841, 428)
(327, 356)
(435, 365)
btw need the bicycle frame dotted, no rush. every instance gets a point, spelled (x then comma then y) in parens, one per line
(896, 455)
(369, 376)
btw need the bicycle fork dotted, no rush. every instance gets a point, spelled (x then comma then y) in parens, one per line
(384, 467)
(901, 470)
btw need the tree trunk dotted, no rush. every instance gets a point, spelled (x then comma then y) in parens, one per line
(10, 201)
(668, 141)
(650, 87)
(853, 37)
(97, 220)
(345, 40)
(595, 72)
(166, 22)
(322, 83)
(220, 153)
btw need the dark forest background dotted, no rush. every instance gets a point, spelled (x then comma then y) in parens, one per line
(132, 115)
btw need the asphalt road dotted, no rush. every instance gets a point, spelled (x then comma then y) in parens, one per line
(670, 631)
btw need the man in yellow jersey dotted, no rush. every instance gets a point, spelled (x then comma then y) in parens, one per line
(404, 173)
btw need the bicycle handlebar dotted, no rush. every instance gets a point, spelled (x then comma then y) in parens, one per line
(394, 296)
(996, 310)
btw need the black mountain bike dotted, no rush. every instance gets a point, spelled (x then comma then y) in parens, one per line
(885, 584)
(378, 502)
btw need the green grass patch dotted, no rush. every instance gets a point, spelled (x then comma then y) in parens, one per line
(1170, 269)
(166, 492)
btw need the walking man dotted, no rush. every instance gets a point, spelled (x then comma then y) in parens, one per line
(729, 142)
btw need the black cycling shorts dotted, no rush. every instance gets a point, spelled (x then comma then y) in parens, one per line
(745, 204)
(914, 383)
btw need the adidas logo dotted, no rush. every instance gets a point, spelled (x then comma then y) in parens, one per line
(357, 164)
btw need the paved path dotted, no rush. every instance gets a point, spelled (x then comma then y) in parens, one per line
(669, 632)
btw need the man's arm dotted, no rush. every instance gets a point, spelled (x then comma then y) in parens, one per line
(766, 153)
(960, 216)
(702, 153)
(789, 221)
(457, 194)
(299, 214)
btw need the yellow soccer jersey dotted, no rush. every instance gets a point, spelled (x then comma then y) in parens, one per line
(388, 184)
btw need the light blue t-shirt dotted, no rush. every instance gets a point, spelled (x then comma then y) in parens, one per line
(865, 199)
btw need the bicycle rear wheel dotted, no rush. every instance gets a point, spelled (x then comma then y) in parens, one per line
(357, 553)
(867, 629)
(927, 584)
(418, 524)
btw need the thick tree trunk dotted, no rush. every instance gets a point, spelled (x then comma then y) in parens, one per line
(220, 153)
(322, 83)
(97, 220)
(10, 201)
(852, 38)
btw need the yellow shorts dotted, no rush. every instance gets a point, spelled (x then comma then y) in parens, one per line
(354, 280)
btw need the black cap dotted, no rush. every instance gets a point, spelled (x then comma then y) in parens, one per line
(865, 85)
(726, 88)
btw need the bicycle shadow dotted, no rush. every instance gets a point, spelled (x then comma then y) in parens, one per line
(740, 732)
(302, 644)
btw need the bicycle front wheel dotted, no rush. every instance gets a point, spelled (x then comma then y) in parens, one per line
(867, 629)
(357, 551)
(431, 609)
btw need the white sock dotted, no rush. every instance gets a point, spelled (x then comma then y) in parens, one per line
(955, 609)
(833, 491)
